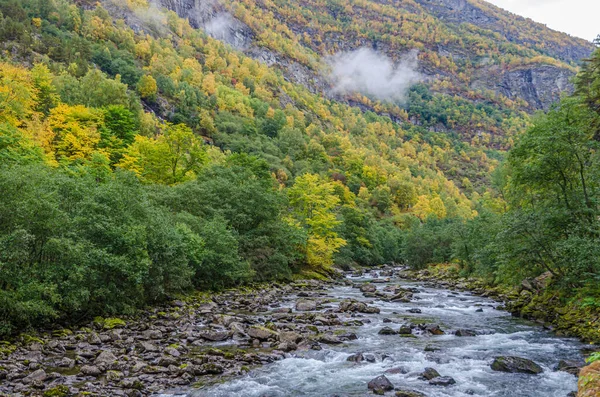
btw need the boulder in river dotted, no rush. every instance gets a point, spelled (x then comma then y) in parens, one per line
(429, 374)
(414, 310)
(442, 381)
(569, 366)
(387, 331)
(516, 364)
(356, 358)
(368, 288)
(261, 333)
(306, 305)
(434, 329)
(405, 330)
(380, 385)
(465, 332)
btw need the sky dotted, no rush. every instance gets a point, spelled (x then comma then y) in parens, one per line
(580, 18)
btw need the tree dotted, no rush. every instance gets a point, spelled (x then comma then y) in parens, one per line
(147, 88)
(174, 156)
(313, 201)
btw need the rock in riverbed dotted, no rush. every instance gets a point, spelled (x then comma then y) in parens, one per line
(380, 385)
(516, 365)
(306, 305)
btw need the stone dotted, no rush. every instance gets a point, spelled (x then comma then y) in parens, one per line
(171, 351)
(516, 365)
(114, 376)
(356, 358)
(330, 339)
(465, 332)
(380, 385)
(94, 339)
(414, 310)
(105, 358)
(405, 330)
(148, 347)
(66, 362)
(152, 334)
(370, 288)
(387, 331)
(442, 381)
(306, 305)
(36, 376)
(216, 336)
(434, 329)
(261, 333)
(289, 337)
(90, 370)
(569, 366)
(429, 374)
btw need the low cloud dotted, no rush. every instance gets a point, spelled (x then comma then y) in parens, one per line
(373, 74)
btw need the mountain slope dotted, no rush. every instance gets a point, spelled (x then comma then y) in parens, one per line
(469, 49)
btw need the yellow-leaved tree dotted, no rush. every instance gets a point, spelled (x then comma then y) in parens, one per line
(174, 156)
(313, 201)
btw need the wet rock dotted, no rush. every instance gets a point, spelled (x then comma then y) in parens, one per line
(171, 351)
(434, 329)
(516, 364)
(289, 337)
(465, 332)
(330, 339)
(261, 333)
(66, 362)
(409, 393)
(132, 383)
(431, 348)
(216, 336)
(387, 331)
(152, 334)
(105, 358)
(429, 374)
(356, 358)
(138, 366)
(94, 339)
(287, 346)
(414, 310)
(36, 376)
(148, 347)
(114, 376)
(90, 370)
(368, 288)
(306, 305)
(405, 330)
(167, 361)
(380, 385)
(569, 366)
(442, 381)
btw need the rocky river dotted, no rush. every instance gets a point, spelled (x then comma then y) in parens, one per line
(369, 333)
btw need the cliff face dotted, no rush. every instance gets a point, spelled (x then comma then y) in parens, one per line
(490, 17)
(212, 17)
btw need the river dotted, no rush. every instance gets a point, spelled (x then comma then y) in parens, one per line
(327, 372)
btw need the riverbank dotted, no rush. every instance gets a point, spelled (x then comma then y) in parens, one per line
(169, 347)
(534, 301)
(207, 339)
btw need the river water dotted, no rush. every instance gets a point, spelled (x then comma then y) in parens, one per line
(466, 359)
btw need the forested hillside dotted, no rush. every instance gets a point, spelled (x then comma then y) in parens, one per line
(142, 158)
(482, 69)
